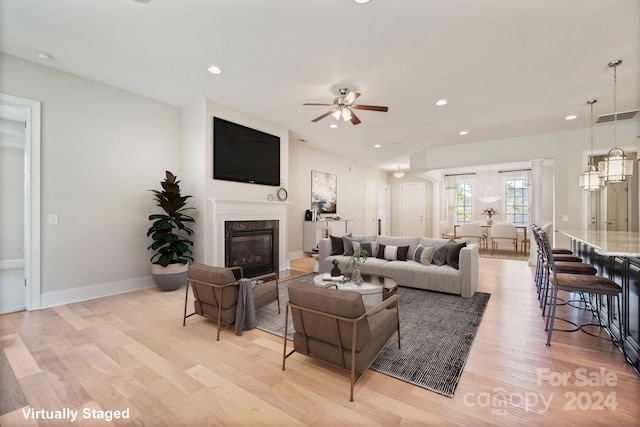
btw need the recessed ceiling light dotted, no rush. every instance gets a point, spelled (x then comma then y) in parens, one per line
(44, 56)
(214, 69)
(377, 146)
(571, 117)
(333, 125)
(142, 1)
(463, 132)
(362, 1)
(441, 102)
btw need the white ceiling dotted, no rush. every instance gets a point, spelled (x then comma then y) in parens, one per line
(507, 67)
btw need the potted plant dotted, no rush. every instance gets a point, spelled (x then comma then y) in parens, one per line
(359, 257)
(170, 234)
(490, 212)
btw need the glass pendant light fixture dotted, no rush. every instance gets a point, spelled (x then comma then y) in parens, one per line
(615, 167)
(399, 173)
(590, 180)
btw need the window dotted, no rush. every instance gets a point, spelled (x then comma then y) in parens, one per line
(462, 208)
(516, 201)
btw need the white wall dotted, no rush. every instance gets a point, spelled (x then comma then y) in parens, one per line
(102, 150)
(351, 175)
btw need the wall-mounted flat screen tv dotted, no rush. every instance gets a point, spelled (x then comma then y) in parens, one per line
(243, 154)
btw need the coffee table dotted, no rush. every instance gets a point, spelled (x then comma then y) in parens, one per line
(374, 289)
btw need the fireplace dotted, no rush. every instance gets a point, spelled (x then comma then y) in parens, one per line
(252, 245)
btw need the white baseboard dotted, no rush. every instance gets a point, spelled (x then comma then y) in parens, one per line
(10, 264)
(84, 293)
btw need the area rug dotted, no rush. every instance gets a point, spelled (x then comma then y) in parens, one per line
(436, 332)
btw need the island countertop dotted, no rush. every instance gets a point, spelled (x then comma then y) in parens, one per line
(608, 243)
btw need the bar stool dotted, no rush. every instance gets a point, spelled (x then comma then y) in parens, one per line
(565, 264)
(582, 283)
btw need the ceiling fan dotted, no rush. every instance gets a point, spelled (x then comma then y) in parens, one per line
(343, 107)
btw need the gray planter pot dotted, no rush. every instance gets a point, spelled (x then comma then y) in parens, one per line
(171, 277)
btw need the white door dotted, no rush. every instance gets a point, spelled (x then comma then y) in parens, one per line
(370, 208)
(412, 205)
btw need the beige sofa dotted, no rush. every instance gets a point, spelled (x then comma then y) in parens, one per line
(461, 281)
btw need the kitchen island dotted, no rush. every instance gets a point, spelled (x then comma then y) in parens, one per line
(616, 255)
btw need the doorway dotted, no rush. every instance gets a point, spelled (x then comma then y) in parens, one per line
(24, 270)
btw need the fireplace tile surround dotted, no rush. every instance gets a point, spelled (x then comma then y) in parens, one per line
(230, 210)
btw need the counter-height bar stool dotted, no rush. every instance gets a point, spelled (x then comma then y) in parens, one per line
(568, 267)
(559, 256)
(581, 283)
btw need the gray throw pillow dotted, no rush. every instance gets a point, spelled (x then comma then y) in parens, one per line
(440, 255)
(453, 253)
(347, 240)
(337, 247)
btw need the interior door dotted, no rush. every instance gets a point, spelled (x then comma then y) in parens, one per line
(412, 205)
(370, 207)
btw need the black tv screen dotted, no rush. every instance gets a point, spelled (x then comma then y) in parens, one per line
(243, 154)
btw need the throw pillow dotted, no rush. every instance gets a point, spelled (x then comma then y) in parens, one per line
(370, 248)
(418, 253)
(440, 255)
(427, 255)
(348, 243)
(403, 252)
(337, 246)
(391, 252)
(453, 253)
(394, 253)
(380, 253)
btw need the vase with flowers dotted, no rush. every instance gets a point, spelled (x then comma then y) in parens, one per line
(359, 256)
(489, 213)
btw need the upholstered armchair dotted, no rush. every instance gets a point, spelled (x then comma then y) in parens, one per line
(335, 326)
(215, 291)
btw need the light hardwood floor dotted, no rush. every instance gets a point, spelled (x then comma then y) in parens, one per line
(130, 352)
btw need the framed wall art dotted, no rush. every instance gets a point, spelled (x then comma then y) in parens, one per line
(324, 192)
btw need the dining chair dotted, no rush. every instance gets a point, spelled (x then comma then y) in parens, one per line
(445, 232)
(473, 233)
(504, 232)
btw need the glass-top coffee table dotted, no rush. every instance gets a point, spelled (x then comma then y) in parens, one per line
(374, 289)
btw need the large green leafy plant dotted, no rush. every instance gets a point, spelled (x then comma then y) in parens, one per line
(169, 230)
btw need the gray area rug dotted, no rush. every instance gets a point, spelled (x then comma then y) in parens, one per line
(436, 332)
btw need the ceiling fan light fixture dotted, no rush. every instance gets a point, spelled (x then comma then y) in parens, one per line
(346, 114)
(399, 173)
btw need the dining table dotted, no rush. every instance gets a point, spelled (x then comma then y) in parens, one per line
(522, 229)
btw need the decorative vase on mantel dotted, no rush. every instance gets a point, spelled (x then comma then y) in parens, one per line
(489, 221)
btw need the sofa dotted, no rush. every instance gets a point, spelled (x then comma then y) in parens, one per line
(441, 265)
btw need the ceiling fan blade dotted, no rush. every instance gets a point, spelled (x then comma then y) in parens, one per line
(322, 105)
(354, 119)
(370, 107)
(351, 97)
(324, 115)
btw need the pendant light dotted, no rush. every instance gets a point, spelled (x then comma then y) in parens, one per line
(590, 180)
(615, 167)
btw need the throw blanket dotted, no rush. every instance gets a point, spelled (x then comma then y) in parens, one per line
(246, 309)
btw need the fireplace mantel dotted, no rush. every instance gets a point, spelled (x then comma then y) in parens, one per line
(248, 210)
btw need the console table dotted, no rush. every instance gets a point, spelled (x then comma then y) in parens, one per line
(616, 254)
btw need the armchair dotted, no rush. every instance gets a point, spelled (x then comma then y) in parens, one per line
(335, 327)
(215, 290)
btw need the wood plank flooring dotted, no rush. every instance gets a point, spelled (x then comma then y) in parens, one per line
(130, 353)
